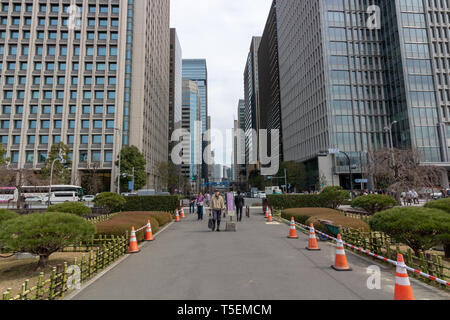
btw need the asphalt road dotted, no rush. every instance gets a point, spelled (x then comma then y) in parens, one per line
(188, 261)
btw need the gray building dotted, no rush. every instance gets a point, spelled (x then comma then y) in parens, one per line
(175, 86)
(343, 80)
(251, 98)
(79, 80)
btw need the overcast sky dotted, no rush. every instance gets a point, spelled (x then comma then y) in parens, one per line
(220, 31)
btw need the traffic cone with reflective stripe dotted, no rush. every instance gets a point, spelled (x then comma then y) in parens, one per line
(148, 232)
(403, 290)
(133, 242)
(177, 216)
(182, 213)
(269, 218)
(340, 262)
(292, 230)
(312, 243)
(267, 212)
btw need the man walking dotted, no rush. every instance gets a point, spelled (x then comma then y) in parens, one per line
(217, 205)
(239, 202)
(192, 204)
(200, 200)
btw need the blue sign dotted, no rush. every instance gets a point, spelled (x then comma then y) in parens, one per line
(130, 186)
(362, 181)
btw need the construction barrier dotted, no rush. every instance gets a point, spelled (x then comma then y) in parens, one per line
(395, 263)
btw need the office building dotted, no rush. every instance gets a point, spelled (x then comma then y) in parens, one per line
(269, 81)
(196, 70)
(251, 93)
(344, 79)
(191, 122)
(175, 86)
(79, 80)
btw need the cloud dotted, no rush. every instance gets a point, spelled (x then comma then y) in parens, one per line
(220, 31)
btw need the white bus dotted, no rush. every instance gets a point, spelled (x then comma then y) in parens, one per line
(8, 194)
(42, 191)
(61, 197)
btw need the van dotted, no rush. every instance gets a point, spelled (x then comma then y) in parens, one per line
(61, 197)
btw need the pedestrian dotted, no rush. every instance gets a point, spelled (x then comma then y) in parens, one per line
(217, 205)
(192, 204)
(239, 203)
(200, 200)
(416, 197)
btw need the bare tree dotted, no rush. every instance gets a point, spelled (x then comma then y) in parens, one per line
(400, 170)
(91, 181)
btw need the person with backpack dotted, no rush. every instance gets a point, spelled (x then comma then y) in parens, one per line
(239, 203)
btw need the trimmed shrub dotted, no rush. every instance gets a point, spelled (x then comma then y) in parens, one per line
(419, 228)
(122, 223)
(333, 197)
(152, 203)
(441, 204)
(112, 202)
(44, 233)
(71, 207)
(374, 203)
(287, 201)
(7, 215)
(313, 215)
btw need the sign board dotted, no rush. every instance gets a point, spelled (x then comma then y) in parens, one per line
(130, 185)
(230, 204)
(362, 181)
(333, 151)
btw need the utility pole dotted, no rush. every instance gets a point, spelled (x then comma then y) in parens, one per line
(285, 180)
(120, 151)
(132, 191)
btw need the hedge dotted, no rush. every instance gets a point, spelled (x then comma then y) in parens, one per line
(374, 203)
(287, 201)
(441, 204)
(71, 207)
(122, 223)
(313, 215)
(7, 215)
(151, 203)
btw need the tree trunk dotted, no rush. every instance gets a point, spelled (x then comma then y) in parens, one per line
(447, 249)
(43, 262)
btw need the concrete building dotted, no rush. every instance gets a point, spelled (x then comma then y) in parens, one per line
(175, 86)
(251, 92)
(196, 70)
(344, 77)
(78, 80)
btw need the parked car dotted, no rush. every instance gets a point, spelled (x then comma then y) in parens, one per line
(129, 194)
(33, 199)
(88, 198)
(436, 195)
(261, 195)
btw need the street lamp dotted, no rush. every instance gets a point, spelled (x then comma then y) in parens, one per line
(120, 144)
(389, 129)
(60, 158)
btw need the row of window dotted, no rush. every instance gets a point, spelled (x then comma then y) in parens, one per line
(62, 66)
(59, 94)
(57, 124)
(55, 8)
(64, 35)
(96, 156)
(58, 109)
(51, 50)
(60, 80)
(44, 139)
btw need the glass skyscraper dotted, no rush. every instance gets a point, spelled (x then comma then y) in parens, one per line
(343, 80)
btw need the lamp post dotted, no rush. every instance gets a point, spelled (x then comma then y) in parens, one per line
(120, 151)
(389, 129)
(60, 159)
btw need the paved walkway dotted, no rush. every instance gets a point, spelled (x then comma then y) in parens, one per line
(188, 261)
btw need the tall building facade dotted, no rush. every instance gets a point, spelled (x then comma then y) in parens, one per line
(240, 169)
(191, 122)
(82, 73)
(196, 70)
(251, 94)
(175, 86)
(269, 80)
(343, 80)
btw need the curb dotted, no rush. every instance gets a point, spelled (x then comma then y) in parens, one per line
(112, 266)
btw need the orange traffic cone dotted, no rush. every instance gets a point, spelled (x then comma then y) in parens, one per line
(182, 213)
(312, 243)
(403, 290)
(269, 218)
(340, 262)
(177, 216)
(293, 230)
(148, 232)
(133, 242)
(267, 212)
